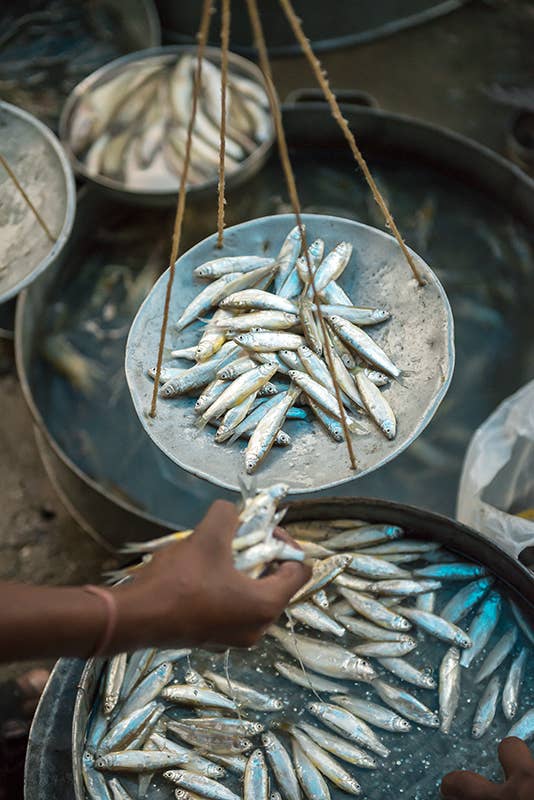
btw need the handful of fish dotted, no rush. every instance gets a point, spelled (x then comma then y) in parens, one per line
(266, 331)
(321, 705)
(131, 127)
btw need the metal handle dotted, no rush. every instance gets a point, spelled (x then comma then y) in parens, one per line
(352, 96)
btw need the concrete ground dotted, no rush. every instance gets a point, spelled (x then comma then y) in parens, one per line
(438, 72)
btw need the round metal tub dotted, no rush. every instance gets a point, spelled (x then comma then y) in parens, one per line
(38, 162)
(70, 692)
(339, 25)
(467, 211)
(164, 197)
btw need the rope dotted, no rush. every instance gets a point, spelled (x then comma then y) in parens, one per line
(322, 79)
(225, 39)
(15, 180)
(259, 41)
(202, 37)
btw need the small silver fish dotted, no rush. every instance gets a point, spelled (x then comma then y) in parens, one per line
(230, 264)
(313, 784)
(376, 714)
(256, 779)
(324, 657)
(436, 626)
(449, 687)
(497, 655)
(338, 746)
(312, 617)
(364, 345)
(466, 599)
(407, 672)
(385, 649)
(377, 405)
(306, 679)
(512, 685)
(486, 708)
(346, 723)
(199, 784)
(406, 704)
(245, 695)
(482, 627)
(281, 766)
(194, 696)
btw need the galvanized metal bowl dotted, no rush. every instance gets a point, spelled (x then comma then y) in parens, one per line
(404, 767)
(39, 163)
(419, 337)
(164, 55)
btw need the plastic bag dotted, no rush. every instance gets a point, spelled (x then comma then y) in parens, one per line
(497, 480)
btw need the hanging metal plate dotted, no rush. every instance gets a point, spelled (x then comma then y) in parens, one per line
(419, 338)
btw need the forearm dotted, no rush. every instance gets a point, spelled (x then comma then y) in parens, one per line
(42, 621)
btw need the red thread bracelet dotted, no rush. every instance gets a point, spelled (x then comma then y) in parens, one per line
(111, 621)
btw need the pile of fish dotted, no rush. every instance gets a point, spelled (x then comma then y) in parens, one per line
(266, 325)
(254, 546)
(132, 127)
(359, 620)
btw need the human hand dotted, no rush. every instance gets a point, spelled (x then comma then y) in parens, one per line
(190, 592)
(518, 766)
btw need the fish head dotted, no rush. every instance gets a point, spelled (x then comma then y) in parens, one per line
(315, 708)
(366, 670)
(173, 774)
(295, 233)
(304, 351)
(463, 640)
(164, 670)
(244, 339)
(202, 272)
(256, 727)
(388, 428)
(215, 771)
(402, 725)
(100, 762)
(88, 760)
(283, 439)
(268, 740)
(380, 315)
(251, 462)
(401, 624)
(168, 390)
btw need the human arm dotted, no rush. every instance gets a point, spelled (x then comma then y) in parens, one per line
(189, 594)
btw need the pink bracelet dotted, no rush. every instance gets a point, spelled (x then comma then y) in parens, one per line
(111, 621)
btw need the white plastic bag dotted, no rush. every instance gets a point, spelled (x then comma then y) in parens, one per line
(498, 474)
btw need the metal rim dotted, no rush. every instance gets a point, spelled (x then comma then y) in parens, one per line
(339, 42)
(70, 204)
(254, 161)
(135, 334)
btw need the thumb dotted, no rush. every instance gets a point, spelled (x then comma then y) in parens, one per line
(515, 756)
(465, 785)
(288, 579)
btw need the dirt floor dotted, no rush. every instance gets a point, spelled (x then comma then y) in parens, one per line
(439, 72)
